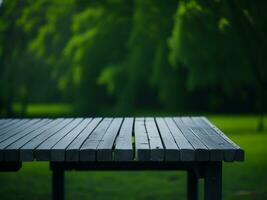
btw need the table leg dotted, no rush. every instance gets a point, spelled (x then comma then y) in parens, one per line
(213, 181)
(10, 166)
(57, 183)
(192, 185)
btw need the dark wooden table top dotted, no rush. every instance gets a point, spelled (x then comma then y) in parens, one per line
(115, 139)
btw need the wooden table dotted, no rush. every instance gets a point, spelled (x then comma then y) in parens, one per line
(152, 143)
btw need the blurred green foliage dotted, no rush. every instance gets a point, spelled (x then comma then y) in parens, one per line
(115, 56)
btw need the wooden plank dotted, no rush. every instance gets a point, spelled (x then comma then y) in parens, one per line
(43, 151)
(187, 151)
(239, 154)
(22, 131)
(155, 143)
(196, 137)
(13, 134)
(105, 146)
(27, 150)
(201, 151)
(172, 151)
(88, 149)
(216, 153)
(58, 151)
(11, 152)
(228, 149)
(8, 123)
(142, 148)
(72, 152)
(4, 121)
(18, 129)
(13, 126)
(123, 144)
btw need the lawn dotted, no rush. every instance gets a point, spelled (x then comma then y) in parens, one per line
(241, 180)
(47, 110)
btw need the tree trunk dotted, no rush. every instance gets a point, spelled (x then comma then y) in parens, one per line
(9, 106)
(24, 105)
(261, 107)
(9, 100)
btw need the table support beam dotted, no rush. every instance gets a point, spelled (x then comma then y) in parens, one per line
(57, 183)
(192, 185)
(210, 171)
(10, 166)
(213, 181)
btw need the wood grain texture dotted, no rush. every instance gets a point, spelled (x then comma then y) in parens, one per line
(12, 151)
(123, 145)
(105, 146)
(187, 151)
(204, 122)
(8, 124)
(171, 149)
(155, 143)
(12, 128)
(10, 144)
(149, 139)
(201, 151)
(16, 131)
(216, 152)
(89, 147)
(3, 121)
(72, 151)
(142, 148)
(43, 151)
(27, 150)
(58, 150)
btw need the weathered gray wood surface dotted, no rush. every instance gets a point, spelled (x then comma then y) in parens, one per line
(142, 147)
(58, 150)
(43, 151)
(72, 151)
(201, 152)
(172, 151)
(156, 147)
(89, 147)
(116, 139)
(187, 152)
(105, 146)
(123, 144)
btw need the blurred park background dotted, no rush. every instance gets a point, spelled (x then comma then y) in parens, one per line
(137, 57)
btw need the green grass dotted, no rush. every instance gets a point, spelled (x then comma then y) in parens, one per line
(237, 124)
(45, 110)
(244, 181)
